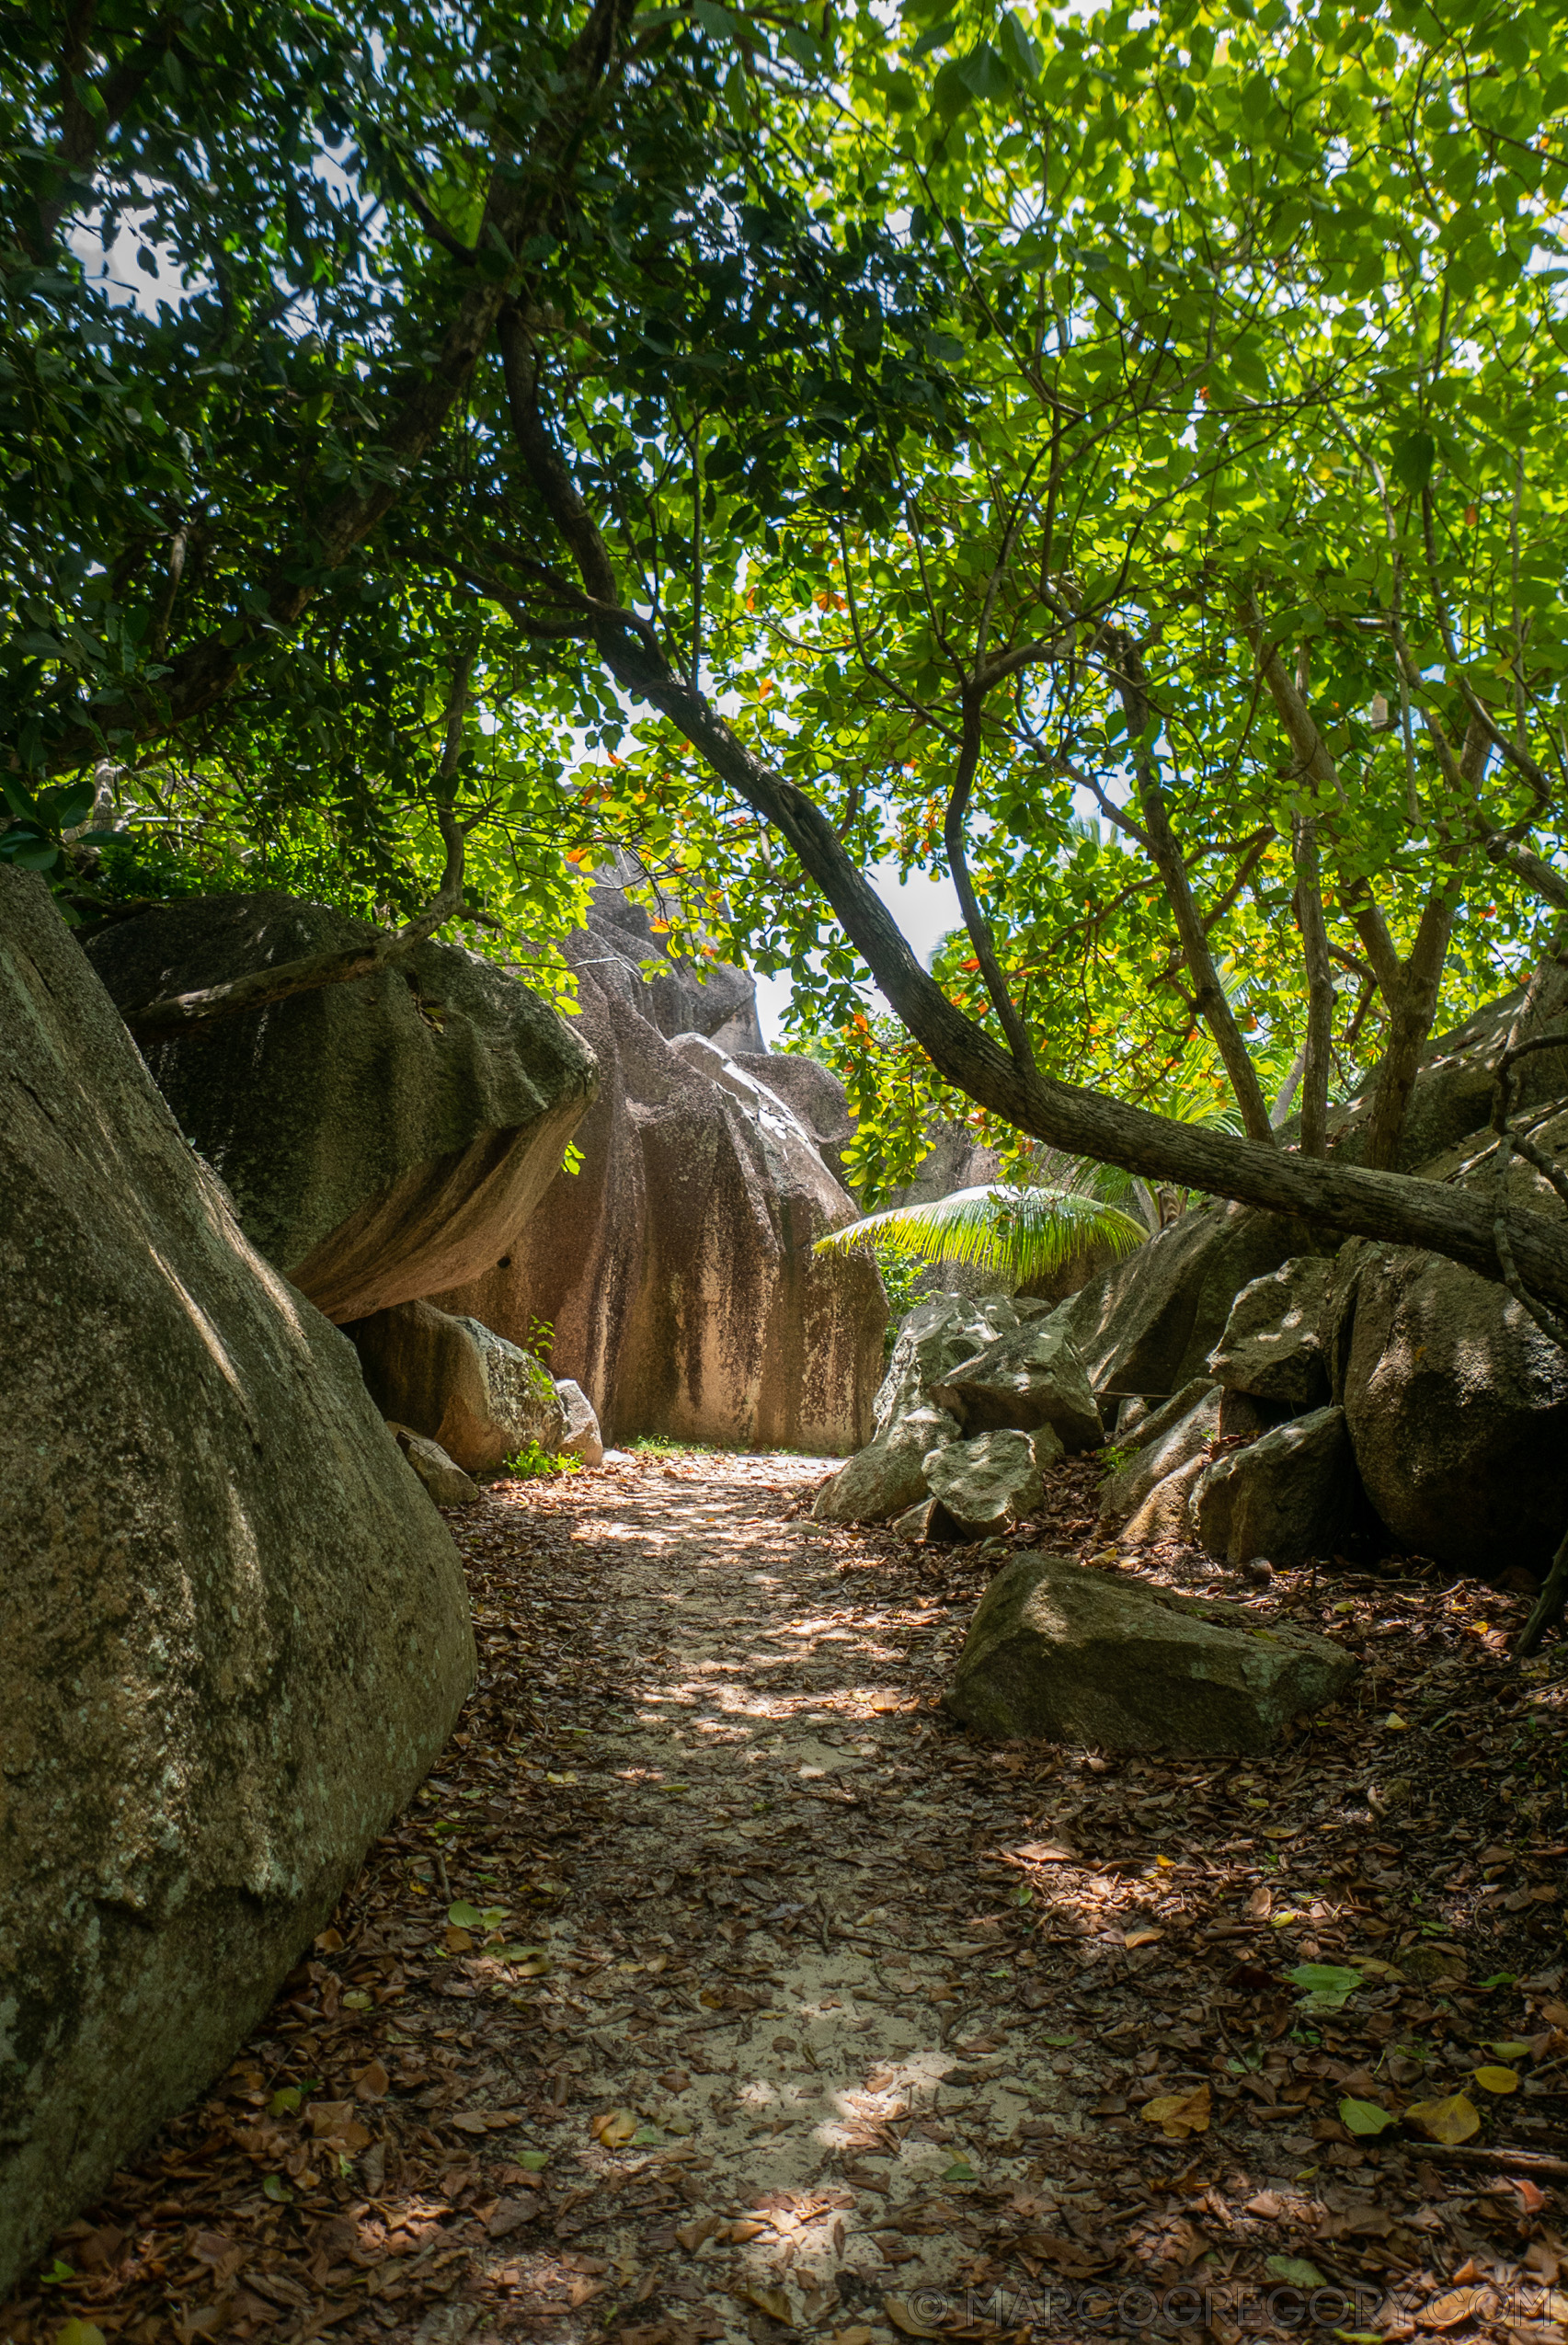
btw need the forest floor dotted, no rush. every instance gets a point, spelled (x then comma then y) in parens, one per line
(716, 1986)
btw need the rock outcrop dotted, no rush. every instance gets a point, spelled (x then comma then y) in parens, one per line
(1149, 1324)
(933, 1339)
(1289, 1494)
(1076, 1655)
(381, 1140)
(459, 1383)
(447, 1483)
(234, 1633)
(1272, 1346)
(676, 1268)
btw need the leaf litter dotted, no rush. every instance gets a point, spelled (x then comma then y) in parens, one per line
(716, 1986)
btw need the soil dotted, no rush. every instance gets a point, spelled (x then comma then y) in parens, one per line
(718, 1986)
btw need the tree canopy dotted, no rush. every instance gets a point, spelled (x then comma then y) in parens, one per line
(1113, 459)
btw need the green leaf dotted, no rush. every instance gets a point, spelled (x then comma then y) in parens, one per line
(1023, 1233)
(532, 2161)
(983, 73)
(1296, 2271)
(1019, 48)
(464, 1917)
(1365, 2117)
(1414, 457)
(274, 2187)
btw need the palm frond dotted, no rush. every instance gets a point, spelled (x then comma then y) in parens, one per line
(1019, 1233)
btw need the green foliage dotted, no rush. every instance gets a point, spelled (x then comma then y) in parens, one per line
(534, 1462)
(1017, 1233)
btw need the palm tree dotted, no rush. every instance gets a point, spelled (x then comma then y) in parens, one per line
(1018, 1232)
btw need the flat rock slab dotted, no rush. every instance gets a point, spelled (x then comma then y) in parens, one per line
(1066, 1654)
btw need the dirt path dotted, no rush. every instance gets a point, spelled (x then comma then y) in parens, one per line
(718, 1987)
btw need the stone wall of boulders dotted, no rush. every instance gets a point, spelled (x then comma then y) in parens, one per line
(1270, 1393)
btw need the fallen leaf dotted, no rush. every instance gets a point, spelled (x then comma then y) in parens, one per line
(1498, 2080)
(1452, 2119)
(1365, 2117)
(613, 2128)
(1259, 1905)
(372, 2082)
(532, 2161)
(1268, 2204)
(1455, 2305)
(464, 1917)
(1047, 1852)
(1179, 2114)
(771, 2301)
(1395, 1724)
(1296, 2271)
(78, 2332)
(960, 2171)
(1510, 2051)
(1141, 1937)
(900, 2313)
(691, 2235)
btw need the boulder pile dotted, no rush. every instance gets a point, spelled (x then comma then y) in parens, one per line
(233, 1631)
(979, 1397)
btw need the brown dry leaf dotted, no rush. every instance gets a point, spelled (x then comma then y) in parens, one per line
(1452, 2119)
(509, 2216)
(1455, 2305)
(902, 2316)
(468, 2121)
(1268, 2204)
(458, 1941)
(1179, 2114)
(583, 2291)
(614, 2127)
(774, 2302)
(856, 2336)
(1141, 1937)
(372, 2082)
(1045, 1852)
(691, 2235)
(1259, 1905)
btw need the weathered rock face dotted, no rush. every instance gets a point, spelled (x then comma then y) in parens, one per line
(717, 1000)
(1024, 1380)
(456, 1381)
(1167, 1448)
(812, 1093)
(933, 1339)
(234, 1633)
(447, 1483)
(888, 1474)
(1272, 1346)
(1149, 1324)
(1078, 1656)
(1452, 1094)
(1458, 1411)
(1291, 1494)
(987, 1485)
(580, 1437)
(676, 1268)
(381, 1140)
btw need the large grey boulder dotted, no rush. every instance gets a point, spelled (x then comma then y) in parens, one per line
(932, 1341)
(987, 1486)
(1291, 1494)
(1170, 1441)
(1272, 1343)
(234, 1633)
(676, 1268)
(458, 1383)
(1458, 1411)
(1077, 1656)
(382, 1138)
(888, 1474)
(1149, 1324)
(1025, 1379)
(815, 1095)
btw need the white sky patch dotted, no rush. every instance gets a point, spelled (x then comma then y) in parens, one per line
(925, 908)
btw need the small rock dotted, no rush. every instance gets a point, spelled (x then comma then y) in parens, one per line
(1166, 1443)
(580, 1437)
(888, 1475)
(927, 1525)
(447, 1483)
(458, 1383)
(988, 1484)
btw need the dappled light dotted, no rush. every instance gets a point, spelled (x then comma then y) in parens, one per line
(716, 1986)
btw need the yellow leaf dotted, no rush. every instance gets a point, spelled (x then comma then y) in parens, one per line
(1452, 2119)
(1166, 1864)
(78, 2332)
(1395, 1724)
(771, 2301)
(1179, 2114)
(902, 2316)
(614, 2127)
(1498, 2080)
